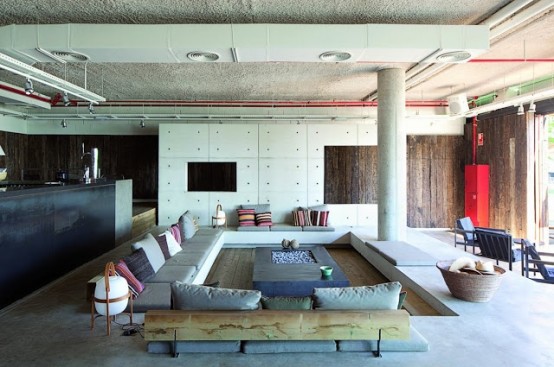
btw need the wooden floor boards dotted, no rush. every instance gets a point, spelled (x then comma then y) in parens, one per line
(234, 266)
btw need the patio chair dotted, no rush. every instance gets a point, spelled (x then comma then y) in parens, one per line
(498, 246)
(533, 262)
(464, 226)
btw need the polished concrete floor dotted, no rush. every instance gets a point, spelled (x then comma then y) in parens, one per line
(51, 327)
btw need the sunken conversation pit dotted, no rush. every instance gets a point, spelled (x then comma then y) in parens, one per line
(275, 276)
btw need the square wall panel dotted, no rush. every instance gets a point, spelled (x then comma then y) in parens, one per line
(336, 134)
(283, 174)
(183, 140)
(172, 174)
(315, 197)
(233, 141)
(170, 206)
(367, 134)
(343, 215)
(283, 141)
(316, 176)
(367, 215)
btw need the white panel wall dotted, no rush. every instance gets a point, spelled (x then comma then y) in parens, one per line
(278, 164)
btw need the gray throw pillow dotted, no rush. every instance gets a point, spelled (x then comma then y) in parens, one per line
(187, 296)
(188, 226)
(258, 208)
(383, 296)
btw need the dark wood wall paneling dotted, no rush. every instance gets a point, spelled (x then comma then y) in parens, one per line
(350, 175)
(435, 180)
(129, 157)
(505, 150)
(435, 183)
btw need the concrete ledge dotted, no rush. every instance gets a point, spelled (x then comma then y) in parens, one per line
(401, 253)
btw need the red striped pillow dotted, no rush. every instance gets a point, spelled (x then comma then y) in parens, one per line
(175, 230)
(246, 217)
(302, 217)
(135, 286)
(263, 219)
(319, 218)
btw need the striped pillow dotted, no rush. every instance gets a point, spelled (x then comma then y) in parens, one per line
(319, 218)
(176, 232)
(135, 286)
(302, 218)
(162, 241)
(246, 217)
(139, 265)
(263, 219)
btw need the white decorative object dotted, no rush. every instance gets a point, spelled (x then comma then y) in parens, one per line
(111, 295)
(219, 219)
(285, 243)
(294, 244)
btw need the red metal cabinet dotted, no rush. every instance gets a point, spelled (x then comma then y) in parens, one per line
(477, 194)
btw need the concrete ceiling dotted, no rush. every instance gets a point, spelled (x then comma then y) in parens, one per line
(287, 80)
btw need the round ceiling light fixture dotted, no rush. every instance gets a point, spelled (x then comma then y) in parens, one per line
(334, 56)
(454, 56)
(71, 56)
(202, 56)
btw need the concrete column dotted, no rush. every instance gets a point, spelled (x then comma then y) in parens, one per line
(392, 154)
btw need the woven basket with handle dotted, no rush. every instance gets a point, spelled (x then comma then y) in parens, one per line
(471, 286)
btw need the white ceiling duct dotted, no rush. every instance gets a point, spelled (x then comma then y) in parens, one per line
(171, 43)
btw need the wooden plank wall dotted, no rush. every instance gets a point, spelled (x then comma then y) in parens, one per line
(435, 180)
(350, 175)
(134, 157)
(505, 150)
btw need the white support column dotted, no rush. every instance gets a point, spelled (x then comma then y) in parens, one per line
(391, 111)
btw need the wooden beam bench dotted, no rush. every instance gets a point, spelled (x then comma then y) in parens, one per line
(176, 325)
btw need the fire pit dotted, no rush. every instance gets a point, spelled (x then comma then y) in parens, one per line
(292, 257)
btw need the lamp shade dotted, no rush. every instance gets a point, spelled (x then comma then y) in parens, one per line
(111, 294)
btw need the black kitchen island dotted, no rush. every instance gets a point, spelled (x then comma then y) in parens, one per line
(49, 229)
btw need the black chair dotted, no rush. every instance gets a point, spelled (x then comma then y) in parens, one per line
(533, 262)
(464, 226)
(498, 246)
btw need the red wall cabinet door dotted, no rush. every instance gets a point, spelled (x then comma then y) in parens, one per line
(477, 194)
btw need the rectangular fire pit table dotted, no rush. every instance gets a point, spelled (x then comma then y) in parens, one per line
(294, 279)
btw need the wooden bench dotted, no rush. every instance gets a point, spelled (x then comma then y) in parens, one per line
(176, 325)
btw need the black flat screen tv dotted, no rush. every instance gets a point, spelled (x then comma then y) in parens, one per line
(212, 176)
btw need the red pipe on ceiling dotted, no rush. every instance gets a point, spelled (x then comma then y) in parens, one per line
(509, 60)
(22, 92)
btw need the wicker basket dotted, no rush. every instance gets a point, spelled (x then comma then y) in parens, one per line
(471, 287)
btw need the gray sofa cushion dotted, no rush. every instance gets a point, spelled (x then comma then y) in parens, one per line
(198, 297)
(318, 229)
(188, 258)
(187, 225)
(156, 296)
(377, 297)
(286, 303)
(416, 343)
(169, 273)
(253, 229)
(211, 346)
(401, 253)
(280, 227)
(209, 231)
(152, 250)
(288, 346)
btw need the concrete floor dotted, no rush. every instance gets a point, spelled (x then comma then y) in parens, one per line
(51, 327)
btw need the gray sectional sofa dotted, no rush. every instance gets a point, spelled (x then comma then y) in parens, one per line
(190, 265)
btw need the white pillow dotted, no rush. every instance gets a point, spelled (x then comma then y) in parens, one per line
(152, 249)
(172, 244)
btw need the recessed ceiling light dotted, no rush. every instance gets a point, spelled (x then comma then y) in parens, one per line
(335, 56)
(70, 56)
(202, 56)
(454, 56)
